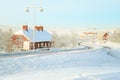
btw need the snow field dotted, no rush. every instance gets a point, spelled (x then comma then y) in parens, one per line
(70, 65)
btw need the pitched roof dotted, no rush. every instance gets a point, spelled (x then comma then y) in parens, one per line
(39, 36)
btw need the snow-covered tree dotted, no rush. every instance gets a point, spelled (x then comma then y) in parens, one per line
(9, 45)
(74, 38)
(1, 40)
(115, 36)
(65, 39)
(7, 40)
(55, 39)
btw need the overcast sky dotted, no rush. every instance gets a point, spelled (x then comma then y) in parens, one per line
(62, 14)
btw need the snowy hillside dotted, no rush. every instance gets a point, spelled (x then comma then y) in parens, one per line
(70, 65)
(115, 52)
(115, 49)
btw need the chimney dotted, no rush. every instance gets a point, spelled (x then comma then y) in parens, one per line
(36, 28)
(39, 28)
(25, 27)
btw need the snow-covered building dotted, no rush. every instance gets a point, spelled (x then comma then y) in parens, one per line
(28, 39)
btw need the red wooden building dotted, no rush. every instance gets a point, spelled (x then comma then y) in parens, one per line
(28, 39)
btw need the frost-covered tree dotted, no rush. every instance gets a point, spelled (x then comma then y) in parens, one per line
(74, 38)
(55, 39)
(65, 39)
(1, 40)
(7, 40)
(115, 36)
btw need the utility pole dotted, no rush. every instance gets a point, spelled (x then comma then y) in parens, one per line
(34, 8)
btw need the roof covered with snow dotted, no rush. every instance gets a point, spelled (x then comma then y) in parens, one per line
(35, 35)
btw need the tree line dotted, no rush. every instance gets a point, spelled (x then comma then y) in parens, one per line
(65, 40)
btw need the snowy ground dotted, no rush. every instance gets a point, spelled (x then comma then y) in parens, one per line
(70, 65)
